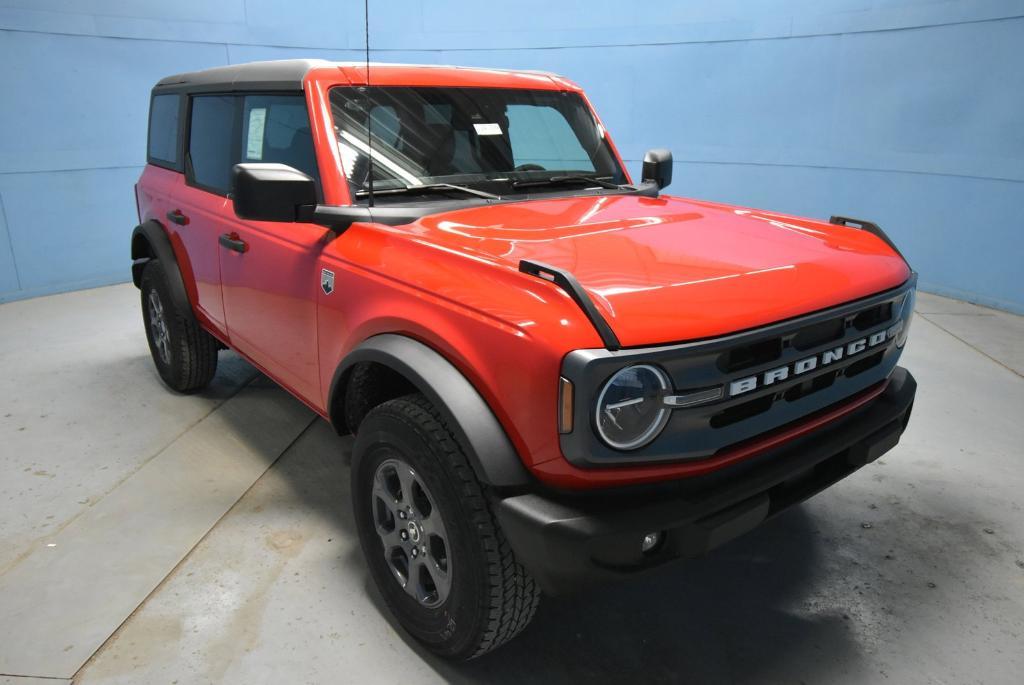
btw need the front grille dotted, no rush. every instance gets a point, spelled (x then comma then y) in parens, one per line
(803, 339)
(746, 412)
(816, 335)
(749, 356)
(808, 387)
(872, 316)
(750, 408)
(742, 411)
(863, 364)
(812, 336)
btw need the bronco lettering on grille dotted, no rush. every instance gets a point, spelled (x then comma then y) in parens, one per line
(807, 364)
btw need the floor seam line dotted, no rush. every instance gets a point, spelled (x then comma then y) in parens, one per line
(10, 242)
(40, 677)
(976, 349)
(188, 554)
(56, 531)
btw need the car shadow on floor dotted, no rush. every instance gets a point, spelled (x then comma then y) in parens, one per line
(744, 613)
(733, 616)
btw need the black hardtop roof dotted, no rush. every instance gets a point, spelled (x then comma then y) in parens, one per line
(285, 74)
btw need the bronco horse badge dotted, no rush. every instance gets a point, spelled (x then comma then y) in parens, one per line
(327, 281)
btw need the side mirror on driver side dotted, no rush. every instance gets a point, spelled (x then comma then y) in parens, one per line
(270, 192)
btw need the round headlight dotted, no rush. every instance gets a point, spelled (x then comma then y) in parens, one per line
(630, 408)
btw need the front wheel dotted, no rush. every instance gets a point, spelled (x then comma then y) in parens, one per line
(434, 548)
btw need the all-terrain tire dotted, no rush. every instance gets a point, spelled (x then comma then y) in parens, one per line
(185, 355)
(491, 596)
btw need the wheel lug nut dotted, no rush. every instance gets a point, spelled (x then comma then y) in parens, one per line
(401, 514)
(424, 550)
(403, 535)
(415, 552)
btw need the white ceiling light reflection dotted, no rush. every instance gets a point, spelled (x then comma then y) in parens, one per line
(623, 290)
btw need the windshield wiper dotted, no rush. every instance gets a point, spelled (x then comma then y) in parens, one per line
(429, 187)
(567, 178)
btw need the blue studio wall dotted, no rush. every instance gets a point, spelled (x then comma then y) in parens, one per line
(907, 112)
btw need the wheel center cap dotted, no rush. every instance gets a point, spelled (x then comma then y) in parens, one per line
(414, 532)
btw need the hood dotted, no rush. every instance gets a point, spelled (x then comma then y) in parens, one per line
(666, 269)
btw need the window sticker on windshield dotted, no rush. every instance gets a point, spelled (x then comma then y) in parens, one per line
(487, 129)
(254, 141)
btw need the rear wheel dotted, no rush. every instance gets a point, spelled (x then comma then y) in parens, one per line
(434, 548)
(185, 355)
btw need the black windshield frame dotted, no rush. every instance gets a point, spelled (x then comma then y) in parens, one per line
(463, 135)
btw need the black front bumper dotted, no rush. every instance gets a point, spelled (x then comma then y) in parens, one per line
(567, 542)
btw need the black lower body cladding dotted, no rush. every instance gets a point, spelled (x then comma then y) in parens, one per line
(569, 542)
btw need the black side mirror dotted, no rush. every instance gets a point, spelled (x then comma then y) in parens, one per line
(657, 167)
(270, 192)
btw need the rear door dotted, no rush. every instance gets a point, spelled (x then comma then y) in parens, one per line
(159, 189)
(202, 205)
(269, 270)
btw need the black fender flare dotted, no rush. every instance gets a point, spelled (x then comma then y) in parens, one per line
(153, 235)
(490, 452)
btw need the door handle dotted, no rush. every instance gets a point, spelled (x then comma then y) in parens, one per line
(177, 217)
(233, 242)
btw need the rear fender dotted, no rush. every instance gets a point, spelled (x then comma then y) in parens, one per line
(150, 241)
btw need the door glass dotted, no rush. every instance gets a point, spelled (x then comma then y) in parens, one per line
(275, 128)
(211, 147)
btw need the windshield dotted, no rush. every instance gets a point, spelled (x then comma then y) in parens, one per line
(496, 139)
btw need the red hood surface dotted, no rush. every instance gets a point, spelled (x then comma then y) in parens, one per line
(668, 270)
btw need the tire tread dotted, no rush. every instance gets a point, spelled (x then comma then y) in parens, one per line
(513, 595)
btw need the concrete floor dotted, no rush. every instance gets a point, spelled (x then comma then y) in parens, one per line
(147, 537)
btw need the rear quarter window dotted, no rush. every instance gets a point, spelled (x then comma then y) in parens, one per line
(164, 127)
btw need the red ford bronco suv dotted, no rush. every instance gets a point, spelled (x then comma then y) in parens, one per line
(555, 375)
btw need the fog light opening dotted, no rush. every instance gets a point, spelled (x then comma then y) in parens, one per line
(652, 541)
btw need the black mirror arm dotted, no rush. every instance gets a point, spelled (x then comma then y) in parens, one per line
(339, 218)
(647, 188)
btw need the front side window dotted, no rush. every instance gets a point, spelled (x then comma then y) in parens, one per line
(275, 128)
(228, 129)
(491, 138)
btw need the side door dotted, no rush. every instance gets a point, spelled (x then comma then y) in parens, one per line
(270, 274)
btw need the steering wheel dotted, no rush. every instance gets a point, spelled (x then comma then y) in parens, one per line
(529, 167)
